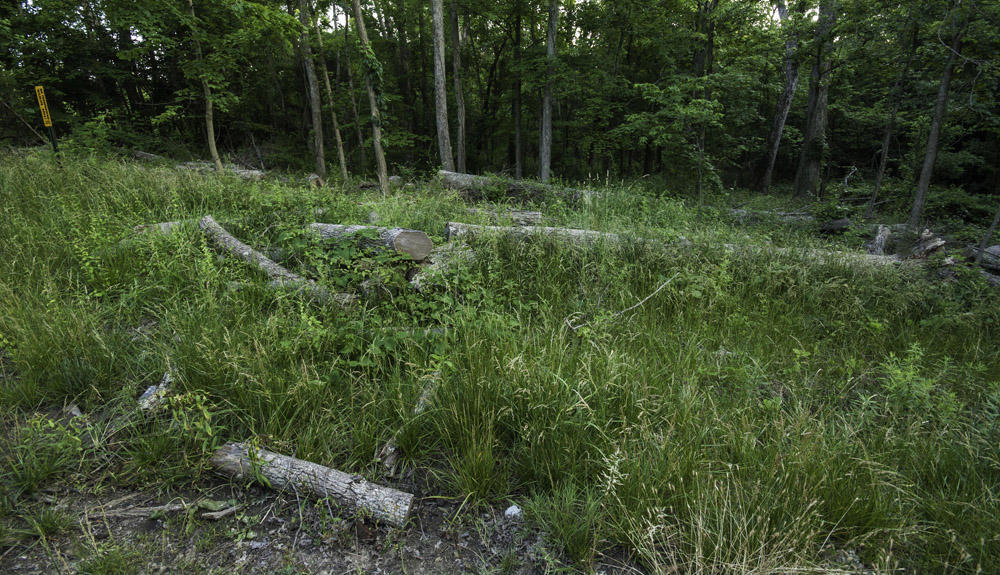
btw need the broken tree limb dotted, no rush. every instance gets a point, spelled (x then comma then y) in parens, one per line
(518, 217)
(481, 187)
(279, 276)
(353, 492)
(389, 454)
(414, 243)
(456, 230)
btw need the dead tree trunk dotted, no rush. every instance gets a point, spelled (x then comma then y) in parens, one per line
(279, 276)
(315, 105)
(374, 94)
(545, 151)
(441, 88)
(414, 243)
(281, 471)
(479, 187)
(814, 137)
(784, 101)
(937, 122)
(456, 69)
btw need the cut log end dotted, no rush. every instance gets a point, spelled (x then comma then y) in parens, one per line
(416, 244)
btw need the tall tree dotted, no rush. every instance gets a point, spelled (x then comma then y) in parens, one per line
(373, 81)
(315, 105)
(937, 120)
(516, 93)
(814, 134)
(206, 91)
(911, 37)
(441, 88)
(545, 148)
(354, 99)
(325, 73)
(784, 103)
(456, 72)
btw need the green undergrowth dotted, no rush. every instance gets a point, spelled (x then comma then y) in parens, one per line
(760, 411)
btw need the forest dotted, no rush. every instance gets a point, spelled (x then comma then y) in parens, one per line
(509, 287)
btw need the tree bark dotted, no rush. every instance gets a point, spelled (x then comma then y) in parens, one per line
(325, 73)
(483, 187)
(354, 100)
(814, 137)
(937, 122)
(545, 151)
(373, 98)
(279, 276)
(890, 128)
(516, 94)
(351, 491)
(315, 105)
(784, 102)
(207, 92)
(441, 88)
(414, 243)
(456, 64)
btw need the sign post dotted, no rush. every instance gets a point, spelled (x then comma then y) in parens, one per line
(43, 105)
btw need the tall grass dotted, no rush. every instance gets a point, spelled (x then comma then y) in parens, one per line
(756, 414)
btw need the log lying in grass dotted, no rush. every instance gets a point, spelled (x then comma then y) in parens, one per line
(206, 167)
(414, 243)
(927, 244)
(745, 215)
(162, 227)
(389, 454)
(480, 187)
(280, 277)
(155, 395)
(355, 493)
(519, 217)
(443, 261)
(456, 230)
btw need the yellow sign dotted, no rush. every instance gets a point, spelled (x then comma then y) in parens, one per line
(46, 118)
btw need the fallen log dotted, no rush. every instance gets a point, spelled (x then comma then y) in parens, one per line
(748, 216)
(927, 244)
(280, 471)
(279, 276)
(519, 217)
(484, 187)
(579, 237)
(881, 239)
(389, 454)
(442, 262)
(206, 167)
(414, 243)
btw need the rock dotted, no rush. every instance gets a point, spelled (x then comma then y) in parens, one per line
(512, 512)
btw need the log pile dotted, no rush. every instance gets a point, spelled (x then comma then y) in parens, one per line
(353, 492)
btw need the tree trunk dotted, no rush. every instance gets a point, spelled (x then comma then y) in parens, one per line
(325, 73)
(279, 276)
(354, 100)
(814, 137)
(207, 92)
(414, 243)
(545, 142)
(373, 98)
(890, 128)
(516, 94)
(784, 102)
(315, 105)
(456, 62)
(937, 122)
(441, 88)
(987, 237)
(351, 491)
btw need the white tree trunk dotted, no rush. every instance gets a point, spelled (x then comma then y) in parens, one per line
(351, 491)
